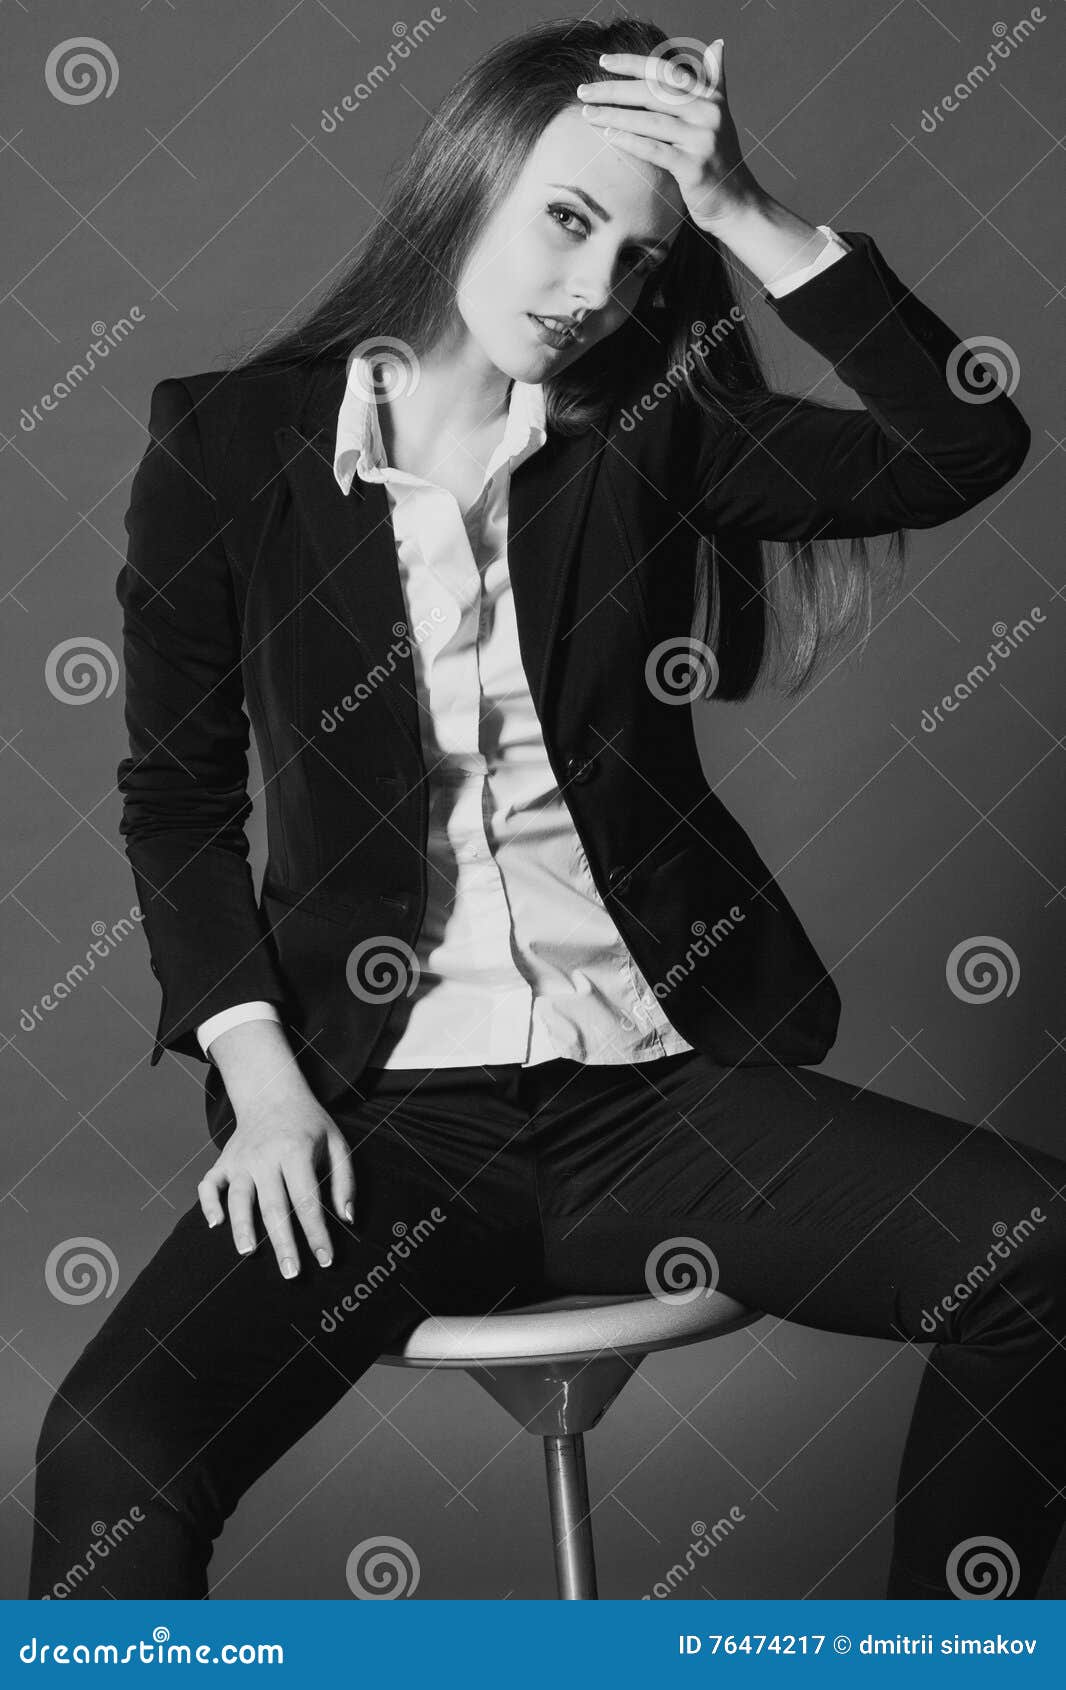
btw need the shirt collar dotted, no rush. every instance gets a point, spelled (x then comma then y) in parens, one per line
(359, 449)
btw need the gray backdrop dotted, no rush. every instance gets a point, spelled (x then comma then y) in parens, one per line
(199, 197)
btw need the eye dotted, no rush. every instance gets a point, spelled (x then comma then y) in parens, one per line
(568, 211)
(639, 254)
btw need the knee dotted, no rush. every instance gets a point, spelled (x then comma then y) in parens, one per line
(102, 1432)
(80, 1435)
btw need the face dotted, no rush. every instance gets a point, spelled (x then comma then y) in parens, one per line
(580, 233)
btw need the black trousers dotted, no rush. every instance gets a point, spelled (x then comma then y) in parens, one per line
(817, 1202)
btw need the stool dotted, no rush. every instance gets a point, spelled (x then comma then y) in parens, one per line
(557, 1366)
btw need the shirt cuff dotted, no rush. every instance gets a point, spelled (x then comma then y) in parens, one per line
(257, 1009)
(830, 253)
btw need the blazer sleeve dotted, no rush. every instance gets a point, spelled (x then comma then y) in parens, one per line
(184, 783)
(928, 445)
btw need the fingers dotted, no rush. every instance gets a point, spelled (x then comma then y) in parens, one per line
(239, 1198)
(342, 1175)
(240, 1190)
(672, 84)
(303, 1190)
(657, 126)
(210, 1202)
(274, 1209)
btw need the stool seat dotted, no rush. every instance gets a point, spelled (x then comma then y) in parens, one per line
(571, 1328)
(557, 1366)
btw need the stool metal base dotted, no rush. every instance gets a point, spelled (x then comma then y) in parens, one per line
(568, 1502)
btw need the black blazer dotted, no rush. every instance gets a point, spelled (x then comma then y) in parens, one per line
(251, 579)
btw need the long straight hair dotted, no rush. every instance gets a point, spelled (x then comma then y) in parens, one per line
(764, 620)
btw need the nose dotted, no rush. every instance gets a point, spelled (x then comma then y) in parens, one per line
(590, 293)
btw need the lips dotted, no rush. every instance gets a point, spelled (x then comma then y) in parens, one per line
(550, 330)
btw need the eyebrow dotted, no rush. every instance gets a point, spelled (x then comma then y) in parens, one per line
(594, 205)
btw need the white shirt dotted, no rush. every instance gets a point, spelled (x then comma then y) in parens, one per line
(518, 960)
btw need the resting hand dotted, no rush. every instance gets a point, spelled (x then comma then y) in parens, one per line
(281, 1149)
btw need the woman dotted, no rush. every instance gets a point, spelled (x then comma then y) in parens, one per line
(515, 967)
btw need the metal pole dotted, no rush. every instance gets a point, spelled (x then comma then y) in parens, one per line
(568, 1501)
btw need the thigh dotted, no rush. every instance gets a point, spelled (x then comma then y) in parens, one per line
(813, 1199)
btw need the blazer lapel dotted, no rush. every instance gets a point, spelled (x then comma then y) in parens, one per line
(350, 564)
(549, 499)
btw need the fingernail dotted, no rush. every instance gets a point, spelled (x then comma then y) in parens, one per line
(348, 1213)
(288, 1268)
(246, 1246)
(324, 1258)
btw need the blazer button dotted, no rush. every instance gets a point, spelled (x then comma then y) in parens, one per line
(618, 880)
(579, 768)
